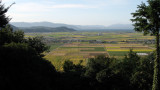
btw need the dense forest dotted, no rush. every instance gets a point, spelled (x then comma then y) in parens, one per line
(22, 66)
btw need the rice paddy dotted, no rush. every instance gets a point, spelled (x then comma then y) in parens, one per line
(119, 50)
(82, 46)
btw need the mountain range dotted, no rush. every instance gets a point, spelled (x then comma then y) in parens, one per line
(76, 27)
(46, 29)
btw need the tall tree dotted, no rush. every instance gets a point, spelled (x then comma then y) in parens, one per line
(147, 20)
(3, 18)
(22, 66)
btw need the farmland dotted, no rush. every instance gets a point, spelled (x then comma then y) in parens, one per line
(74, 52)
(76, 46)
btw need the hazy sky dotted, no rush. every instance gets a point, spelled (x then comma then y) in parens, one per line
(78, 12)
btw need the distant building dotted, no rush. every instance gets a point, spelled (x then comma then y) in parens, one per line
(100, 34)
(142, 54)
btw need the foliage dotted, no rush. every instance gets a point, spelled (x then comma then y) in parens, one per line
(68, 66)
(21, 64)
(26, 69)
(147, 20)
(100, 73)
(6, 35)
(143, 76)
(38, 44)
(3, 19)
(21, 68)
(72, 77)
(94, 65)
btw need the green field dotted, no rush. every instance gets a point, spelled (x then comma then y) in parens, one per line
(76, 46)
(106, 36)
(89, 48)
(54, 46)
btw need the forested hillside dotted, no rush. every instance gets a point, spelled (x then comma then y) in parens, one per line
(47, 29)
(42, 29)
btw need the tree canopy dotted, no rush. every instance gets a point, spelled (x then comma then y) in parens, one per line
(4, 20)
(147, 20)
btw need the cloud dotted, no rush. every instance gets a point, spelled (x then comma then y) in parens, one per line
(8, 1)
(72, 6)
(69, 11)
(18, 17)
(29, 7)
(48, 5)
(45, 7)
(120, 2)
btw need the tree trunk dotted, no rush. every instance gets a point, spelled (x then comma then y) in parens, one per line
(156, 65)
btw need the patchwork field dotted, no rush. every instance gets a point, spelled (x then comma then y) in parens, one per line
(119, 50)
(76, 46)
(75, 53)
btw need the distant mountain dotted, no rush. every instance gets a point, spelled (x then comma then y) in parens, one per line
(42, 24)
(34, 24)
(14, 27)
(76, 27)
(46, 29)
(120, 26)
(89, 27)
(54, 25)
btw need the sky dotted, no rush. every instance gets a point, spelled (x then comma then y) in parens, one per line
(76, 12)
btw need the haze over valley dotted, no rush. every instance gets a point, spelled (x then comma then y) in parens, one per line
(48, 25)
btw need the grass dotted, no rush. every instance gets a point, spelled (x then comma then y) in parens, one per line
(54, 46)
(89, 48)
(112, 47)
(117, 53)
(119, 50)
(58, 61)
(96, 49)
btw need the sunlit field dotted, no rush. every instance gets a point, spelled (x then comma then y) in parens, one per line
(76, 46)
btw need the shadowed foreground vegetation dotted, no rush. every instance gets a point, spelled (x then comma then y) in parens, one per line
(23, 67)
(103, 73)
